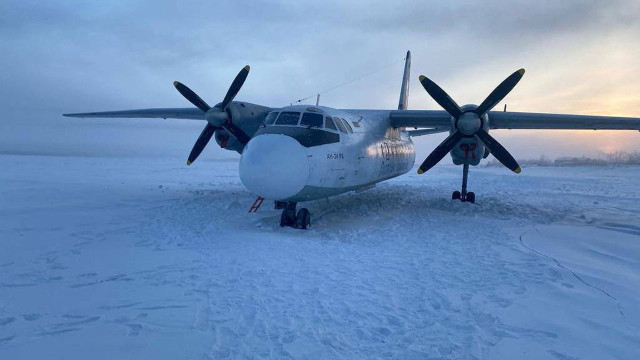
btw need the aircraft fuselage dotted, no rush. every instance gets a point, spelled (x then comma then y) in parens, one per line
(294, 160)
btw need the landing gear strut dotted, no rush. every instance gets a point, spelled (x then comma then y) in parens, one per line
(299, 220)
(464, 196)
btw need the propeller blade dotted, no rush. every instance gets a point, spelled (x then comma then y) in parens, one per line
(440, 152)
(441, 97)
(202, 141)
(498, 151)
(500, 92)
(191, 96)
(235, 87)
(236, 132)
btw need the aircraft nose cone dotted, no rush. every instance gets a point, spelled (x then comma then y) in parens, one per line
(274, 166)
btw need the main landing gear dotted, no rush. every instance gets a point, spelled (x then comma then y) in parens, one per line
(289, 217)
(464, 196)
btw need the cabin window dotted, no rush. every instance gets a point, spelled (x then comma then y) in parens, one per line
(311, 120)
(346, 124)
(340, 125)
(329, 124)
(288, 118)
(271, 117)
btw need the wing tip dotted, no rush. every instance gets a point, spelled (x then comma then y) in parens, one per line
(518, 170)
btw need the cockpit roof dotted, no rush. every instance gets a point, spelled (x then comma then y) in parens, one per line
(307, 116)
(306, 108)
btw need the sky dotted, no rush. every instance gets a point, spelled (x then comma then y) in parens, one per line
(581, 56)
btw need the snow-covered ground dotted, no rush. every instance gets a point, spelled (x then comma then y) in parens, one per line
(105, 258)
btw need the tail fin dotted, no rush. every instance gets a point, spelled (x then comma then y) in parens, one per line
(404, 91)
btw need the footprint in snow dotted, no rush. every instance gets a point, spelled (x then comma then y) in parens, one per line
(7, 339)
(6, 321)
(31, 317)
(134, 329)
(57, 332)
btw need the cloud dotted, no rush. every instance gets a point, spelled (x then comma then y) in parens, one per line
(63, 56)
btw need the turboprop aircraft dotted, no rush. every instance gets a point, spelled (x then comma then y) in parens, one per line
(301, 153)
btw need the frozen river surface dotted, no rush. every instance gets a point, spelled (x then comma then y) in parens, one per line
(104, 258)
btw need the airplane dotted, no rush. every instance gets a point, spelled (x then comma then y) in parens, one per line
(302, 153)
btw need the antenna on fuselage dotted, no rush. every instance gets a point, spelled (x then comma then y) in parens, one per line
(348, 82)
(318, 100)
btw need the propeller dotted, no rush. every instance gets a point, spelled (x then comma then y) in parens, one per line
(469, 123)
(217, 117)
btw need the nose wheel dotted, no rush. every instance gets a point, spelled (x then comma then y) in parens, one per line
(291, 218)
(463, 195)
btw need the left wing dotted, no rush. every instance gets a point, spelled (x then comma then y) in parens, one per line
(431, 121)
(438, 119)
(164, 113)
(518, 120)
(420, 118)
(421, 132)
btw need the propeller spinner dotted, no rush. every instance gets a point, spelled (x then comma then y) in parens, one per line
(217, 117)
(469, 123)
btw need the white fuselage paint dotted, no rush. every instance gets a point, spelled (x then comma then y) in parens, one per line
(374, 152)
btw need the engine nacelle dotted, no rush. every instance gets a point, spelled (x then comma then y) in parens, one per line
(227, 141)
(470, 150)
(247, 117)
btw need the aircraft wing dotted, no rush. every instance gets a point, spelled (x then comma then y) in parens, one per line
(438, 119)
(519, 120)
(420, 118)
(430, 131)
(164, 113)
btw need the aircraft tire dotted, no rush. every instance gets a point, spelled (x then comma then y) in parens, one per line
(471, 197)
(455, 195)
(303, 219)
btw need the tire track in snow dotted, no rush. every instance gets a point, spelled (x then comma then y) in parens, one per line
(571, 271)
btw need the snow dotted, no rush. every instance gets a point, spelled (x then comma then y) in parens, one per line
(134, 258)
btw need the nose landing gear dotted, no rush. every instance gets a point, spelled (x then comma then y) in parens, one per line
(299, 220)
(463, 195)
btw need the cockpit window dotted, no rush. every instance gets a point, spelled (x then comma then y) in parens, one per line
(288, 118)
(311, 120)
(271, 117)
(349, 129)
(340, 124)
(329, 124)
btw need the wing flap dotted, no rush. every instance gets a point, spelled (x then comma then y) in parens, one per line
(163, 113)
(421, 132)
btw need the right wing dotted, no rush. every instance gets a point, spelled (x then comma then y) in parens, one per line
(165, 113)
